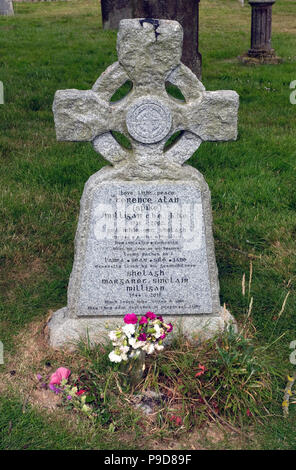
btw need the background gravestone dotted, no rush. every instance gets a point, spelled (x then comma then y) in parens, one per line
(115, 10)
(144, 239)
(6, 8)
(261, 51)
(186, 12)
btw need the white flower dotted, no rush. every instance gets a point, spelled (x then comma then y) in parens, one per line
(149, 348)
(113, 336)
(159, 347)
(158, 331)
(129, 329)
(135, 344)
(114, 357)
(124, 349)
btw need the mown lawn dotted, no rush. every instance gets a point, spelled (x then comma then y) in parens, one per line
(50, 46)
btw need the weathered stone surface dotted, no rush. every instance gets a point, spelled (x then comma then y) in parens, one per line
(66, 332)
(148, 120)
(186, 12)
(116, 272)
(149, 60)
(6, 8)
(145, 264)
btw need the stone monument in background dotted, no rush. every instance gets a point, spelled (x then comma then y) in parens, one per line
(261, 51)
(144, 240)
(113, 11)
(186, 12)
(6, 8)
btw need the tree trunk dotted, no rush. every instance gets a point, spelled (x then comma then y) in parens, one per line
(184, 11)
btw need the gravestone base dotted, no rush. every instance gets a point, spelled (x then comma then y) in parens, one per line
(258, 57)
(66, 332)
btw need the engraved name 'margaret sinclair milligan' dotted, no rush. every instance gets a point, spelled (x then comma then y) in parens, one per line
(148, 120)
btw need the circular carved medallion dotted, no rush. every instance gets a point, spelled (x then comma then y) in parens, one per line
(148, 120)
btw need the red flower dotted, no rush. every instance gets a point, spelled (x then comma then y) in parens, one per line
(150, 315)
(169, 327)
(80, 392)
(202, 370)
(176, 419)
(130, 318)
(249, 413)
(142, 337)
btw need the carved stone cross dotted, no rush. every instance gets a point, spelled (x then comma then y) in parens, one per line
(148, 55)
(144, 238)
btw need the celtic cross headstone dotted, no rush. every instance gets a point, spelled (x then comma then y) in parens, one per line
(144, 238)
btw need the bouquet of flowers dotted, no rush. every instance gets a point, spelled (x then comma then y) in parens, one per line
(138, 334)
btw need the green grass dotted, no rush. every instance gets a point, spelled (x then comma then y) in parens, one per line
(50, 46)
(228, 378)
(23, 428)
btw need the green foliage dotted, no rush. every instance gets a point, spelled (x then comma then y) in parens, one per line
(228, 377)
(241, 376)
(23, 428)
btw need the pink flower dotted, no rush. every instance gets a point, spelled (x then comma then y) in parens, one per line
(163, 336)
(142, 337)
(249, 413)
(130, 318)
(159, 317)
(143, 321)
(150, 315)
(62, 373)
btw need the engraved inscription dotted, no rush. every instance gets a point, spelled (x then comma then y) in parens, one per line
(146, 251)
(148, 120)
